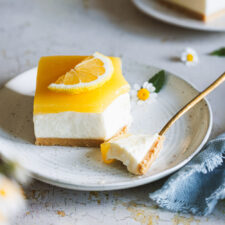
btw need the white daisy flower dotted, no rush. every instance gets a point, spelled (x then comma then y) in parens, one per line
(189, 56)
(11, 197)
(143, 94)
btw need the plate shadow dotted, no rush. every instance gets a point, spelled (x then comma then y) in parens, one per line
(16, 115)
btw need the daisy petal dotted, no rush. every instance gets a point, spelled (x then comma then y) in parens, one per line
(196, 59)
(189, 63)
(154, 95)
(184, 57)
(150, 85)
(140, 102)
(145, 85)
(189, 50)
(152, 89)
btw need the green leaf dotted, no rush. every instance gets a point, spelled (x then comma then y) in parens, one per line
(158, 80)
(219, 52)
(7, 168)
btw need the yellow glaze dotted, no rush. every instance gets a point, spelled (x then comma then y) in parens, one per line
(104, 150)
(96, 101)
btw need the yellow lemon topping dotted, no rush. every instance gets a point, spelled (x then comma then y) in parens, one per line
(104, 150)
(143, 94)
(87, 75)
(190, 57)
(50, 68)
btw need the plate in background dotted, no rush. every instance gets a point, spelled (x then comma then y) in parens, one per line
(81, 168)
(161, 12)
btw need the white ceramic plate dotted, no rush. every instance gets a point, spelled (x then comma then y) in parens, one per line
(161, 12)
(81, 168)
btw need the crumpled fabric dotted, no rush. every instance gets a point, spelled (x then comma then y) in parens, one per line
(198, 186)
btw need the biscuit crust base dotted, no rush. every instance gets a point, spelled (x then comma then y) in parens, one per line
(75, 142)
(193, 14)
(150, 156)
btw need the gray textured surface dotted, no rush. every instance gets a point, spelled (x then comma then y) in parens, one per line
(30, 29)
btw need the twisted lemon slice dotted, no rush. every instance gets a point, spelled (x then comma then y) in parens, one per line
(89, 74)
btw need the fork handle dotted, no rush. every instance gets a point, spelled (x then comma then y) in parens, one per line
(192, 103)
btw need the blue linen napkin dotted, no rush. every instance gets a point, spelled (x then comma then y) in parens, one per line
(198, 186)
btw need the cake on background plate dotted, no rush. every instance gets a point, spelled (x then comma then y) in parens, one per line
(69, 111)
(204, 10)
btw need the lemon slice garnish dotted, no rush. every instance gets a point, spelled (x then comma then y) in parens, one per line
(89, 74)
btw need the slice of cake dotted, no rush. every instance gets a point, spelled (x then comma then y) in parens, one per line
(136, 152)
(201, 9)
(69, 111)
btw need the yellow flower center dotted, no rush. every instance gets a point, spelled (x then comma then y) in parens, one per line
(190, 57)
(2, 192)
(143, 94)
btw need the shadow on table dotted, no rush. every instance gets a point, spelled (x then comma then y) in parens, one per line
(16, 114)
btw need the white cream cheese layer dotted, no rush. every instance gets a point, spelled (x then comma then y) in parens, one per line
(214, 6)
(131, 149)
(85, 125)
(203, 7)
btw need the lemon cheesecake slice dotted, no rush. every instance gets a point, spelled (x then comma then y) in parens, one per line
(136, 152)
(201, 9)
(80, 100)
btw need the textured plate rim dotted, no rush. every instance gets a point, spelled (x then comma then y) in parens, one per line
(126, 184)
(154, 14)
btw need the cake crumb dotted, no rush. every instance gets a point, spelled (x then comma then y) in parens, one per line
(61, 213)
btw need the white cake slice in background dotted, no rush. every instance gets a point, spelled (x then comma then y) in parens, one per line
(201, 9)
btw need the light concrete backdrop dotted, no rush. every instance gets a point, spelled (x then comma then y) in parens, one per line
(30, 29)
